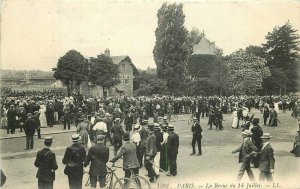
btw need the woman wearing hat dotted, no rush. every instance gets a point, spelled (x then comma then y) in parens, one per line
(73, 159)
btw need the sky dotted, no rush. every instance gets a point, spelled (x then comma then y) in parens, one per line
(35, 33)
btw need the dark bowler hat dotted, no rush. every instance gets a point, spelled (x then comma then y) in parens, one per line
(48, 139)
(255, 121)
(151, 126)
(126, 136)
(100, 137)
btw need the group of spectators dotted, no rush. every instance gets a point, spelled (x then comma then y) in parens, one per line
(121, 119)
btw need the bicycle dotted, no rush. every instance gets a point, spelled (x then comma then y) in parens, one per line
(135, 181)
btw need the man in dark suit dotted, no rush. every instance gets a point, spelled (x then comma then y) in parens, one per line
(73, 159)
(172, 149)
(46, 163)
(128, 121)
(29, 128)
(98, 156)
(22, 117)
(128, 152)
(266, 159)
(159, 140)
(151, 151)
(196, 130)
(144, 135)
(246, 151)
(257, 132)
(117, 132)
(11, 119)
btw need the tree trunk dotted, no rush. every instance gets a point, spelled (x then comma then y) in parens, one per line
(68, 89)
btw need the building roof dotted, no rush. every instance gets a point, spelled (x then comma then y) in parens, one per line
(204, 47)
(118, 59)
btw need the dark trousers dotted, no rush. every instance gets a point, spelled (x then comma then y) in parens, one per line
(29, 142)
(140, 155)
(198, 140)
(265, 175)
(39, 133)
(197, 115)
(11, 127)
(101, 179)
(108, 137)
(117, 145)
(128, 175)
(163, 161)
(265, 120)
(45, 184)
(173, 164)
(149, 167)
(245, 167)
(65, 124)
(211, 121)
(75, 180)
(51, 119)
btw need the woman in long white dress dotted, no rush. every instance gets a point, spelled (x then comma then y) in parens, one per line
(42, 117)
(235, 119)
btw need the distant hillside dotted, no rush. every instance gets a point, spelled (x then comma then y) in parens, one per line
(23, 74)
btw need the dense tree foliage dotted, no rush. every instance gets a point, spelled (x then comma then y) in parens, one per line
(103, 72)
(148, 84)
(171, 50)
(247, 71)
(282, 47)
(71, 69)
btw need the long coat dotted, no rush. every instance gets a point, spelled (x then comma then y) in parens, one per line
(30, 126)
(98, 156)
(172, 144)
(128, 151)
(266, 160)
(151, 149)
(46, 163)
(117, 131)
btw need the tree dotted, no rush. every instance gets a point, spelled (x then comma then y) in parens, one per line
(282, 47)
(221, 76)
(71, 69)
(171, 50)
(103, 72)
(149, 84)
(247, 71)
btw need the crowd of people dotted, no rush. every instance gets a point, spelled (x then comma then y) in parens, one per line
(153, 145)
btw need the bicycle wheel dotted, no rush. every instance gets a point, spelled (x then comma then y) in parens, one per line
(141, 182)
(125, 183)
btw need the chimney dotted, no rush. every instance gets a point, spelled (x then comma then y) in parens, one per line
(107, 52)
